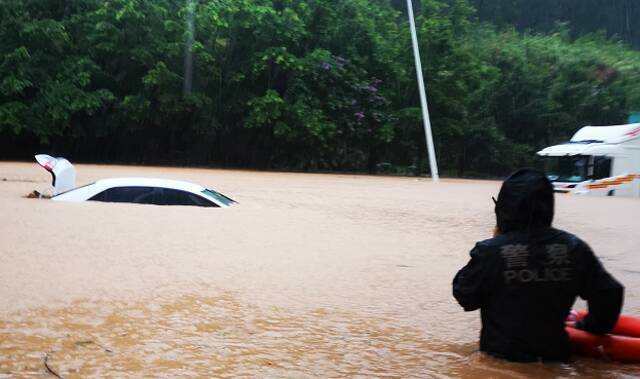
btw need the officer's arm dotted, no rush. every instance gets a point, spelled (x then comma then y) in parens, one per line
(604, 296)
(470, 282)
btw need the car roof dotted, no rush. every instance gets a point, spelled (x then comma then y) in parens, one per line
(149, 182)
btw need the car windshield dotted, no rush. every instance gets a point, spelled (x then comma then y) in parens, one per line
(567, 169)
(220, 198)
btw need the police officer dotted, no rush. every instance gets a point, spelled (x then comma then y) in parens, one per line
(526, 279)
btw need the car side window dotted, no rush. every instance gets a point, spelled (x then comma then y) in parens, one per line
(138, 195)
(177, 197)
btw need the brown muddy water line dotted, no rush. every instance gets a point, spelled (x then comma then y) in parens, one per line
(310, 276)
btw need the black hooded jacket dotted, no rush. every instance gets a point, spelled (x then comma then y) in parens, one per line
(526, 279)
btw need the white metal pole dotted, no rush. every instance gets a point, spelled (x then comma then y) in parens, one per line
(423, 97)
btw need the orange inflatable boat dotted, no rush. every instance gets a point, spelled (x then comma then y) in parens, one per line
(622, 345)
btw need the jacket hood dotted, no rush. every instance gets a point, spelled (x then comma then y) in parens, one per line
(525, 202)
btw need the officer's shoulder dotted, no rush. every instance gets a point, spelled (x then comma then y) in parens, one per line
(568, 237)
(575, 244)
(492, 243)
(482, 248)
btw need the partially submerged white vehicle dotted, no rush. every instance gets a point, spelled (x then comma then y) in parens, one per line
(598, 160)
(128, 190)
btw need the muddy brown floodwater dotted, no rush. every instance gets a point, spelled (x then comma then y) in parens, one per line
(309, 276)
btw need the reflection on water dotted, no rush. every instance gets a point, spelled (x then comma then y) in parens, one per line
(223, 337)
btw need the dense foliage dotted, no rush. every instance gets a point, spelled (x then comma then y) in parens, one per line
(615, 17)
(290, 84)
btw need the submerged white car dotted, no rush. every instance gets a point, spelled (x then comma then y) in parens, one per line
(128, 190)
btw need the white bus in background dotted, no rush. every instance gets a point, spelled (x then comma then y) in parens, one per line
(598, 160)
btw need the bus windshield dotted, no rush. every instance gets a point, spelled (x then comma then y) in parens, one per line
(567, 169)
